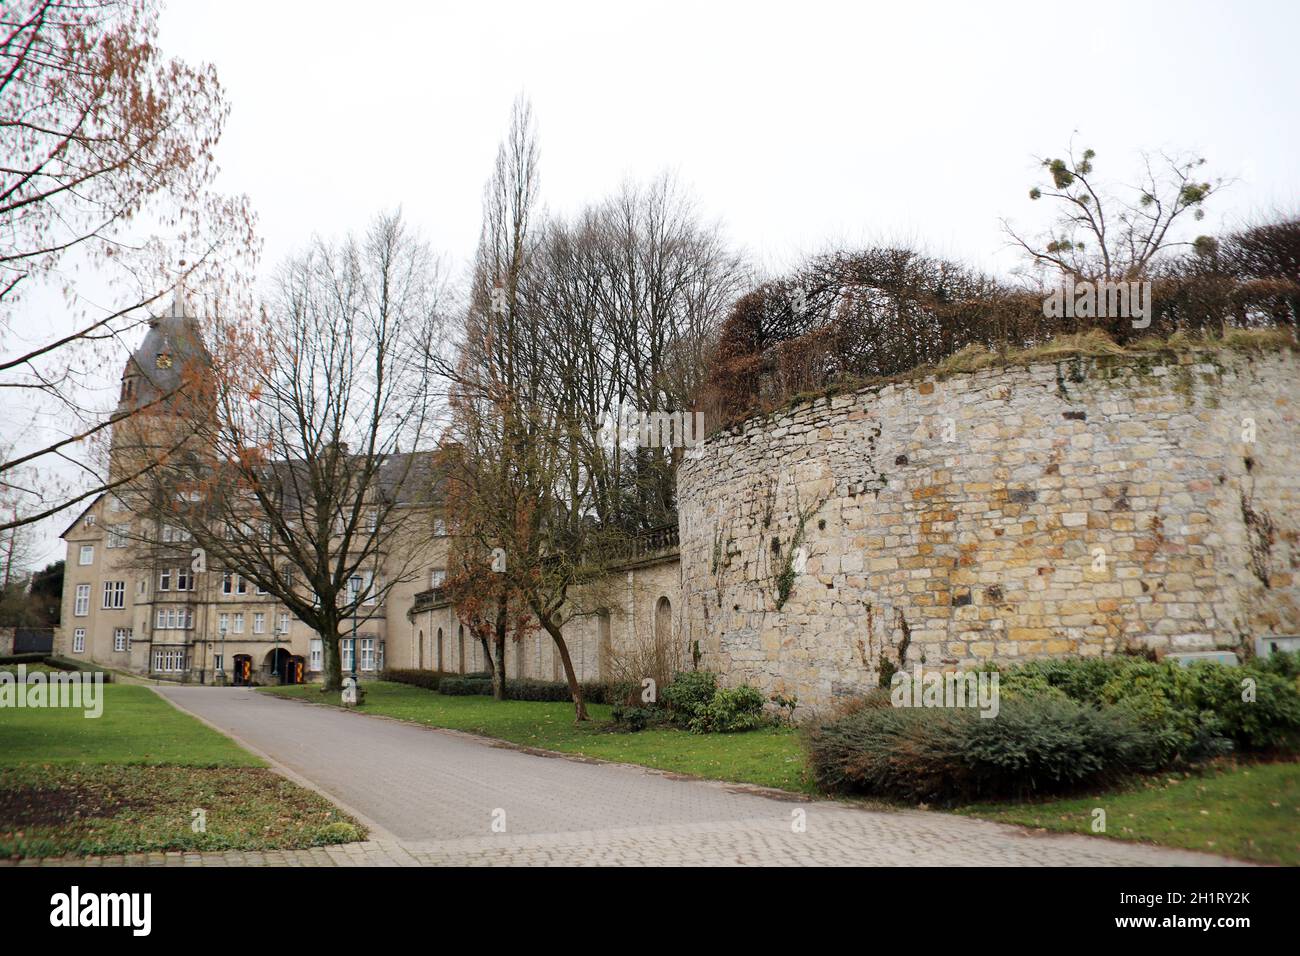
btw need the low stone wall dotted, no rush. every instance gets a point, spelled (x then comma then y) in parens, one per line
(1078, 507)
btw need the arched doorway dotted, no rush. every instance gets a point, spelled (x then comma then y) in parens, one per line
(277, 663)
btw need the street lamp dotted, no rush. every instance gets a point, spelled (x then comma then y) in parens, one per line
(275, 654)
(221, 671)
(355, 582)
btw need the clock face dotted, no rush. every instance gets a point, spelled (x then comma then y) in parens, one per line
(164, 360)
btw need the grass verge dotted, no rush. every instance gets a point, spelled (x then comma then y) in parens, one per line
(772, 757)
(1248, 811)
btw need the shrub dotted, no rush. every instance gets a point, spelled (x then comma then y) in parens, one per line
(632, 719)
(465, 686)
(689, 695)
(731, 710)
(1195, 712)
(1283, 663)
(1033, 746)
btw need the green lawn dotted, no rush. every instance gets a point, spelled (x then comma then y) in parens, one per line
(769, 758)
(1250, 811)
(131, 779)
(136, 727)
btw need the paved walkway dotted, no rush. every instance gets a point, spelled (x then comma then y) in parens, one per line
(438, 797)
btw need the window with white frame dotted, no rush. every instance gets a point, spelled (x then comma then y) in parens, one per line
(116, 504)
(223, 621)
(259, 623)
(87, 555)
(345, 648)
(114, 595)
(232, 583)
(165, 579)
(184, 579)
(169, 660)
(237, 620)
(436, 577)
(317, 649)
(367, 653)
(82, 606)
(284, 623)
(116, 536)
(174, 619)
(379, 663)
(79, 641)
(439, 526)
(121, 639)
(171, 533)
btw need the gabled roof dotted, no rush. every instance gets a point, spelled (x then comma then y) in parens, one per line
(85, 511)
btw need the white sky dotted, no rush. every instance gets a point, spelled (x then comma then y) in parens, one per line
(797, 125)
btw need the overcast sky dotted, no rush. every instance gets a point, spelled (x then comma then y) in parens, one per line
(797, 125)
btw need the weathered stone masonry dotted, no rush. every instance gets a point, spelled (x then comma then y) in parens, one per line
(1076, 507)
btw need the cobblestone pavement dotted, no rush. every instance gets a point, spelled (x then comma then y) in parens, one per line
(431, 797)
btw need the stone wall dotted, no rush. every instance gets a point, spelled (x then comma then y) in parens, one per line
(606, 623)
(1078, 507)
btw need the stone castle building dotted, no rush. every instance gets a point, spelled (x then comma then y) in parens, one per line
(1084, 506)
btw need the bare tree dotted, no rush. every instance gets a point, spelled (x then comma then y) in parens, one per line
(98, 131)
(297, 481)
(571, 320)
(491, 376)
(1101, 235)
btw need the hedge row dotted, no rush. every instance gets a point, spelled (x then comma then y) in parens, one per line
(463, 685)
(947, 755)
(429, 680)
(56, 662)
(1062, 725)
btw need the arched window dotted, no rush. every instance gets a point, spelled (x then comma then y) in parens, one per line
(663, 622)
(439, 649)
(460, 648)
(419, 651)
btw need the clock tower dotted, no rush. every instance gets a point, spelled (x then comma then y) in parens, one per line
(163, 389)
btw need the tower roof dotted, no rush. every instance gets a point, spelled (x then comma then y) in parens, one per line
(172, 350)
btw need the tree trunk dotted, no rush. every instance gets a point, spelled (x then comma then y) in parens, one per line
(575, 689)
(332, 675)
(499, 690)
